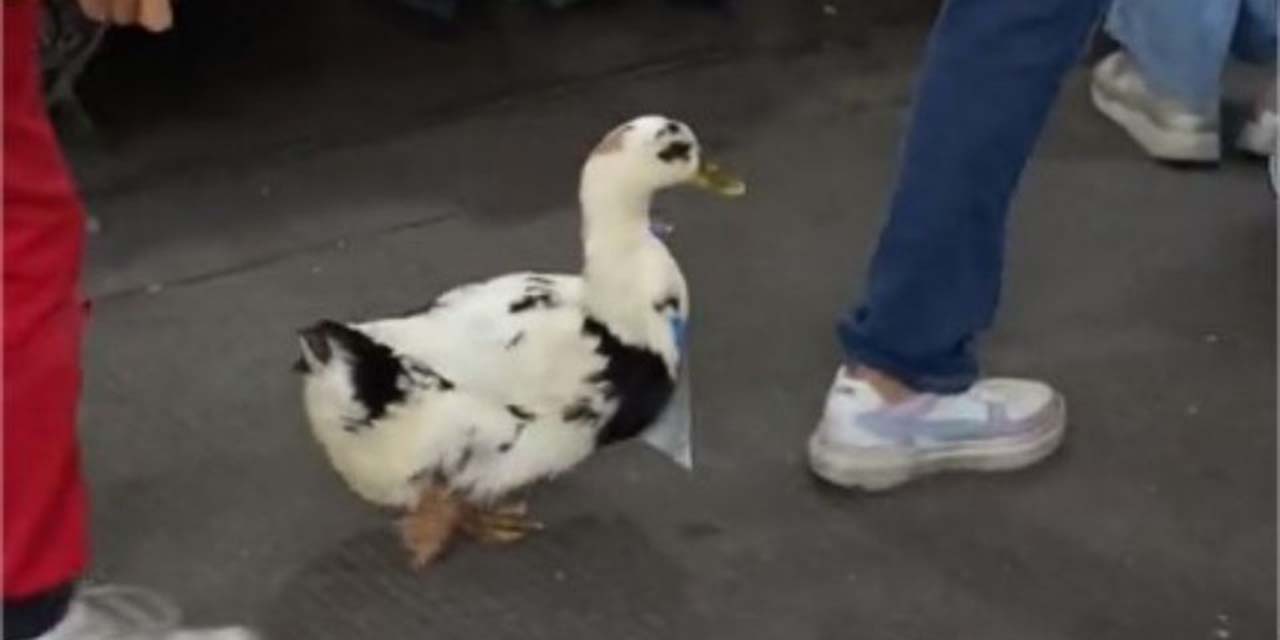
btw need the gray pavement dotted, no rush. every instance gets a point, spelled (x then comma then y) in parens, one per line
(1147, 294)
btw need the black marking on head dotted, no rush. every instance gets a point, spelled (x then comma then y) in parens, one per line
(515, 340)
(539, 279)
(542, 299)
(300, 366)
(375, 369)
(676, 151)
(668, 303)
(521, 413)
(581, 410)
(637, 376)
(506, 446)
(672, 128)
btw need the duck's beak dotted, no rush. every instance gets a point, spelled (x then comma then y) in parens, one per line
(713, 178)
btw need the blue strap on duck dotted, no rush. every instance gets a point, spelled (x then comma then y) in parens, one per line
(660, 230)
(679, 328)
(673, 429)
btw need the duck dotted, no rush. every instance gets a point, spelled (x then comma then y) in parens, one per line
(448, 412)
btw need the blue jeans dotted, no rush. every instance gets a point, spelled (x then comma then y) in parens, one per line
(991, 73)
(1181, 46)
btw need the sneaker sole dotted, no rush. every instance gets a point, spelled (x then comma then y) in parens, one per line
(1173, 146)
(883, 469)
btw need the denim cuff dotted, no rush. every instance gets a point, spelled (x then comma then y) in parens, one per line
(951, 372)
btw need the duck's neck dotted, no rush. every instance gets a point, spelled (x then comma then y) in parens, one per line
(625, 266)
(615, 227)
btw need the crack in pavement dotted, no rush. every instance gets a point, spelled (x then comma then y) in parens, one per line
(270, 259)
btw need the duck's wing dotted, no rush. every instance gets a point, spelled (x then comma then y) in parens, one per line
(517, 338)
(389, 423)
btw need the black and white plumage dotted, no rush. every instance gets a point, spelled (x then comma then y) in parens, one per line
(499, 384)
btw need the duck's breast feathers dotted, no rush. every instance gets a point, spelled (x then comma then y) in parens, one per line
(636, 380)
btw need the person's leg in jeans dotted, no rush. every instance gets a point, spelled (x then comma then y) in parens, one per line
(906, 402)
(1255, 36)
(45, 511)
(1164, 86)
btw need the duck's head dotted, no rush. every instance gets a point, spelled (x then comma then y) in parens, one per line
(651, 153)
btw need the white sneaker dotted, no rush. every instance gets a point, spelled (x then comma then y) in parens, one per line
(1165, 128)
(130, 613)
(1258, 136)
(999, 424)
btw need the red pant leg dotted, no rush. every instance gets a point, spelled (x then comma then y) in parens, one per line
(44, 498)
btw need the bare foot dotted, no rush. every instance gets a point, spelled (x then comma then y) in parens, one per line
(427, 530)
(502, 524)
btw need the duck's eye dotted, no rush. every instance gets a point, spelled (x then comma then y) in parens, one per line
(675, 151)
